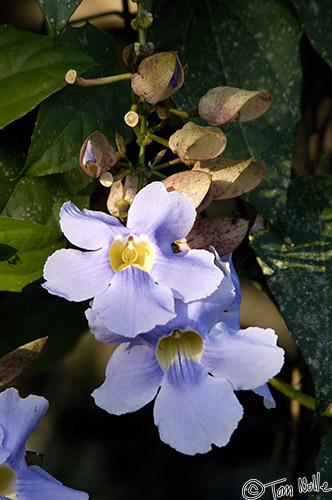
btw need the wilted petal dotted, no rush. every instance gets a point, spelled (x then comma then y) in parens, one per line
(77, 275)
(246, 358)
(163, 216)
(134, 303)
(225, 234)
(223, 104)
(133, 376)
(193, 411)
(194, 184)
(191, 275)
(89, 229)
(194, 142)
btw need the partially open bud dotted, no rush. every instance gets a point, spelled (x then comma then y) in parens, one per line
(228, 104)
(158, 77)
(193, 142)
(122, 195)
(97, 155)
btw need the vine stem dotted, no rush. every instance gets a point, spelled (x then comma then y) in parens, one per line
(303, 399)
(183, 113)
(156, 138)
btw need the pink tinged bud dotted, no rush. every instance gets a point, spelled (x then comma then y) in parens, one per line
(194, 184)
(225, 234)
(231, 178)
(158, 77)
(122, 195)
(229, 104)
(193, 142)
(97, 155)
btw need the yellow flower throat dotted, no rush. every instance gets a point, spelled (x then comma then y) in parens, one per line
(131, 251)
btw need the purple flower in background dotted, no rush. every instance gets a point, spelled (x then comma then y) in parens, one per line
(18, 418)
(192, 366)
(131, 272)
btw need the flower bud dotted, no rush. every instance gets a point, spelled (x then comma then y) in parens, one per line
(228, 104)
(97, 155)
(131, 118)
(122, 195)
(158, 77)
(193, 142)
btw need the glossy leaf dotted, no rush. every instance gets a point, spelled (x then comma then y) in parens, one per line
(32, 68)
(57, 13)
(66, 119)
(315, 18)
(34, 244)
(299, 275)
(252, 45)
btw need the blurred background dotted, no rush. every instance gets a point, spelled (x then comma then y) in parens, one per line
(122, 457)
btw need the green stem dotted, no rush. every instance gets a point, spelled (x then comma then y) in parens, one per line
(122, 174)
(156, 138)
(157, 127)
(141, 31)
(183, 113)
(166, 164)
(158, 174)
(290, 392)
(72, 77)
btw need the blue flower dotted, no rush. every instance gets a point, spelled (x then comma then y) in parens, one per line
(192, 365)
(131, 272)
(18, 418)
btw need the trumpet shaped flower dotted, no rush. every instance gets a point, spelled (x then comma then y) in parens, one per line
(18, 418)
(192, 366)
(131, 272)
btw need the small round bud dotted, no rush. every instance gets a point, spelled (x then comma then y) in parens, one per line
(131, 118)
(106, 179)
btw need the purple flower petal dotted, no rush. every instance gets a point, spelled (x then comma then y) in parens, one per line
(194, 410)
(133, 376)
(191, 275)
(33, 483)
(89, 229)
(246, 358)
(99, 330)
(164, 217)
(19, 417)
(77, 275)
(265, 392)
(134, 303)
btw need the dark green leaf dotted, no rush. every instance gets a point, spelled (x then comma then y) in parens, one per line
(57, 13)
(323, 464)
(32, 68)
(299, 275)
(35, 313)
(315, 18)
(67, 118)
(251, 45)
(34, 244)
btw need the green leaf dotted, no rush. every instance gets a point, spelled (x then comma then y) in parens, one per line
(38, 199)
(252, 45)
(35, 310)
(315, 18)
(299, 275)
(32, 68)
(57, 13)
(323, 464)
(67, 118)
(34, 244)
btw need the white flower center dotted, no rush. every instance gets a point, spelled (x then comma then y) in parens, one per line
(179, 346)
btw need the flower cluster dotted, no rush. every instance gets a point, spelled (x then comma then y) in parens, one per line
(175, 316)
